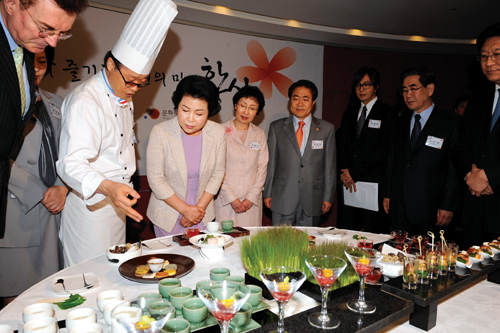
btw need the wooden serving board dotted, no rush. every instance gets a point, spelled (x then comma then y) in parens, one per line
(183, 240)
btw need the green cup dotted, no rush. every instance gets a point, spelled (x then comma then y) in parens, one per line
(149, 298)
(165, 285)
(235, 278)
(219, 273)
(177, 325)
(218, 290)
(160, 308)
(255, 295)
(178, 296)
(242, 317)
(227, 225)
(202, 283)
(194, 310)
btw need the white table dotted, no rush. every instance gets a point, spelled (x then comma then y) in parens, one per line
(456, 314)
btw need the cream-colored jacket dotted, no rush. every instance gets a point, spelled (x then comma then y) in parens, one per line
(167, 169)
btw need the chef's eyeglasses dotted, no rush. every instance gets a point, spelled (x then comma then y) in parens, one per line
(46, 33)
(132, 84)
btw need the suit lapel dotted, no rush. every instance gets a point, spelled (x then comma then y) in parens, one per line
(314, 134)
(432, 122)
(178, 147)
(290, 133)
(30, 68)
(8, 67)
(208, 142)
(487, 115)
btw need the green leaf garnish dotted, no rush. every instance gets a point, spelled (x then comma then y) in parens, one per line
(73, 301)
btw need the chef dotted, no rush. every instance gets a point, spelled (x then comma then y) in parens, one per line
(97, 156)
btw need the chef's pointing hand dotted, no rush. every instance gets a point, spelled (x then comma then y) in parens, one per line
(123, 197)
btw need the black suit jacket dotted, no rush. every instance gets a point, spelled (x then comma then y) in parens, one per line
(366, 156)
(11, 121)
(424, 179)
(483, 149)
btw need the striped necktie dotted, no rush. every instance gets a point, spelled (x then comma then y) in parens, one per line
(18, 60)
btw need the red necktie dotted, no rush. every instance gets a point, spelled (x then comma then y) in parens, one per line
(300, 133)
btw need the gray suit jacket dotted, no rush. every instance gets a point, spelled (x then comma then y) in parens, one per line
(290, 177)
(26, 216)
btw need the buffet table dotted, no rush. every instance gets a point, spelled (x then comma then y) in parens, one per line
(472, 309)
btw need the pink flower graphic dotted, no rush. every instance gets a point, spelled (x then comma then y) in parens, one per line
(229, 130)
(267, 72)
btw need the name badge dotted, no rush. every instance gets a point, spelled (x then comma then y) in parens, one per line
(374, 123)
(317, 144)
(434, 142)
(254, 145)
(55, 111)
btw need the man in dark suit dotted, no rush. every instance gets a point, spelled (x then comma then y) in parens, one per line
(363, 143)
(422, 186)
(300, 183)
(27, 27)
(481, 161)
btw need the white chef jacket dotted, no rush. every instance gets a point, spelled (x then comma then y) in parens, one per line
(97, 143)
(97, 139)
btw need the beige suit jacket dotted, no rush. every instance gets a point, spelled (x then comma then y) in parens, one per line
(246, 170)
(167, 169)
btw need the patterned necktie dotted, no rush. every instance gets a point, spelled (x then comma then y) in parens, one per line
(496, 113)
(300, 133)
(361, 120)
(18, 60)
(417, 128)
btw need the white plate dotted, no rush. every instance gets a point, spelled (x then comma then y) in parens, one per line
(74, 284)
(391, 269)
(333, 234)
(474, 260)
(468, 264)
(193, 240)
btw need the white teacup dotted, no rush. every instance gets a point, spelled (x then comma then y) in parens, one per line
(106, 297)
(79, 317)
(108, 309)
(212, 227)
(41, 325)
(87, 328)
(37, 310)
(126, 315)
(6, 329)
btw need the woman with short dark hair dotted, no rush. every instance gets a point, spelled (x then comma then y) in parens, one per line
(186, 158)
(240, 198)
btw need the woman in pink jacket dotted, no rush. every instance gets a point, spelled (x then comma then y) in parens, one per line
(240, 197)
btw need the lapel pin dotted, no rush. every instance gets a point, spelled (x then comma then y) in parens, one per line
(317, 128)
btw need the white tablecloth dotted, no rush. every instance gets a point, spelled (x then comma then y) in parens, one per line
(472, 310)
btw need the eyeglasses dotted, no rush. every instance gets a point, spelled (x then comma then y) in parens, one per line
(46, 33)
(303, 99)
(364, 85)
(132, 84)
(412, 89)
(251, 108)
(484, 57)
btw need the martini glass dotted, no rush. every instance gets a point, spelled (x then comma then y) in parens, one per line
(134, 317)
(326, 269)
(363, 261)
(282, 282)
(223, 299)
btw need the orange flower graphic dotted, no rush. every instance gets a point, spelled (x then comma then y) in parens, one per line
(267, 72)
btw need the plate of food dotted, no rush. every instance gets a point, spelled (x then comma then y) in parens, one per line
(495, 246)
(173, 265)
(485, 250)
(211, 241)
(123, 252)
(463, 260)
(475, 255)
(391, 264)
